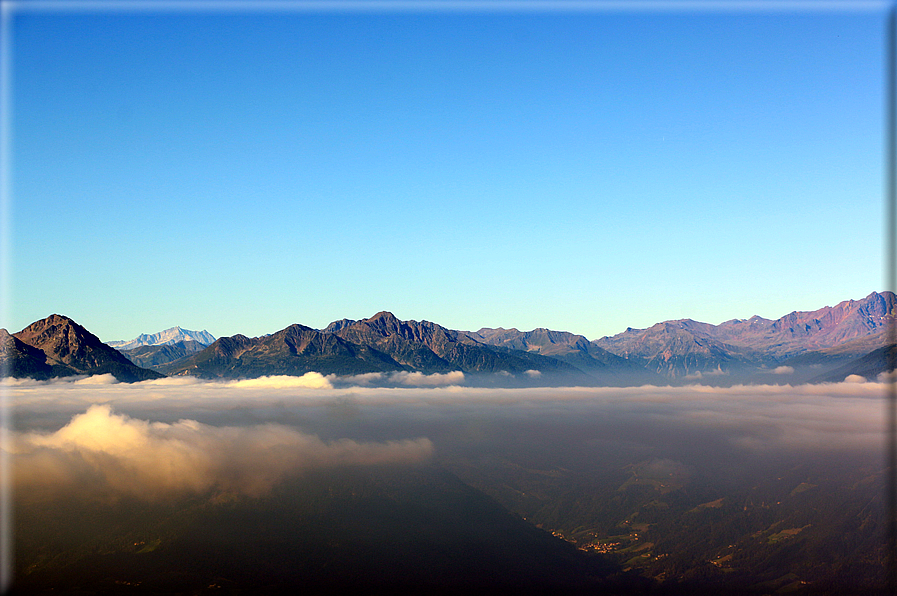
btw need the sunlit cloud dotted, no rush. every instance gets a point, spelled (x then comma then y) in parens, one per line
(104, 379)
(100, 449)
(312, 380)
(783, 370)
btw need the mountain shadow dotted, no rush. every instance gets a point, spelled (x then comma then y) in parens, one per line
(369, 530)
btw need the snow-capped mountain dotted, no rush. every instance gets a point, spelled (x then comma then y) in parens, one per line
(169, 336)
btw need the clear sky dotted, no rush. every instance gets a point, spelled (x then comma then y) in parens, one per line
(585, 171)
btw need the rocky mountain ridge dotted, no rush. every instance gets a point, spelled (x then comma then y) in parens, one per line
(379, 344)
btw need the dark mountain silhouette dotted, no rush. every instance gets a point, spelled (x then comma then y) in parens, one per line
(70, 349)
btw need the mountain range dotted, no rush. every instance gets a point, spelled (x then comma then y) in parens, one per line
(827, 344)
(168, 337)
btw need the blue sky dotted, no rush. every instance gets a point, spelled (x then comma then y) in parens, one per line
(587, 171)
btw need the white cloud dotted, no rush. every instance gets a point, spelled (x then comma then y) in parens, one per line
(533, 374)
(855, 379)
(783, 370)
(312, 380)
(104, 379)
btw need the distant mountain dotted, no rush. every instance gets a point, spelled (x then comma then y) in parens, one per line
(573, 349)
(155, 356)
(540, 340)
(681, 349)
(686, 347)
(68, 349)
(167, 337)
(804, 331)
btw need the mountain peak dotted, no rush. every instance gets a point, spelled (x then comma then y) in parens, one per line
(340, 324)
(45, 329)
(76, 350)
(383, 315)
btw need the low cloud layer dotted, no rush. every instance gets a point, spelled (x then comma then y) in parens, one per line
(188, 436)
(400, 378)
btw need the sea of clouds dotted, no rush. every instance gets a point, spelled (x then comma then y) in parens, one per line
(178, 436)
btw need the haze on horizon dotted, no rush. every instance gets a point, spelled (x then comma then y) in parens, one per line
(581, 171)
